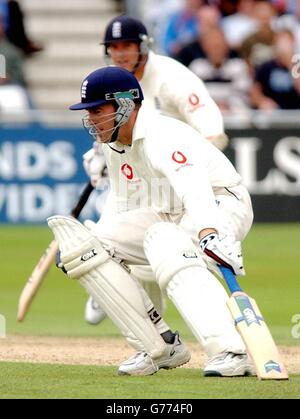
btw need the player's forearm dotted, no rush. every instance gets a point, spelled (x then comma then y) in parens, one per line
(193, 188)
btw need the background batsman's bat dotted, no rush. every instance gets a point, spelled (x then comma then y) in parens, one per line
(254, 331)
(36, 278)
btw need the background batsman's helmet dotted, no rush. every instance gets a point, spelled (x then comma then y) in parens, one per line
(127, 29)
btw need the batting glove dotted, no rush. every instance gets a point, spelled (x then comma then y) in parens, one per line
(94, 164)
(225, 251)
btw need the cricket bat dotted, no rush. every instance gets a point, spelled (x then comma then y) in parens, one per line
(35, 280)
(41, 269)
(254, 331)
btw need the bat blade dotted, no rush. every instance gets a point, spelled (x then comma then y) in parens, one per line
(257, 337)
(35, 280)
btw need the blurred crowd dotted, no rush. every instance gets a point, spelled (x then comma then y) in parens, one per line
(15, 47)
(246, 51)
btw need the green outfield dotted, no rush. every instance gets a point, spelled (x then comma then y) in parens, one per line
(271, 255)
(28, 381)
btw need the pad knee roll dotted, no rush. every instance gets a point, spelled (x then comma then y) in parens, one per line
(169, 250)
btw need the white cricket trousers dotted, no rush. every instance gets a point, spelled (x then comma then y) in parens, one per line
(197, 294)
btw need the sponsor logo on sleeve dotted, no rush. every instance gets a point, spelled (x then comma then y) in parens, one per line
(127, 171)
(194, 99)
(181, 159)
(194, 102)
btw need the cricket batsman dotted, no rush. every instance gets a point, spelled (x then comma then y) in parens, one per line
(170, 89)
(179, 207)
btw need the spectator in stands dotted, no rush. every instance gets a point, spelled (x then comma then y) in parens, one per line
(13, 59)
(296, 29)
(181, 27)
(292, 6)
(120, 6)
(16, 31)
(275, 87)
(227, 7)
(156, 15)
(13, 95)
(258, 47)
(292, 23)
(223, 72)
(241, 24)
(285, 6)
(4, 13)
(208, 17)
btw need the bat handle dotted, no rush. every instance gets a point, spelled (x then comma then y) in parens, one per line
(82, 201)
(230, 279)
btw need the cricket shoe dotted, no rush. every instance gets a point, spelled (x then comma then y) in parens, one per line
(93, 312)
(229, 364)
(175, 355)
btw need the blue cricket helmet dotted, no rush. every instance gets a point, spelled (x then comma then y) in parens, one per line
(107, 85)
(125, 28)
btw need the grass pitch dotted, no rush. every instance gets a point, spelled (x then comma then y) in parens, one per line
(271, 255)
(28, 381)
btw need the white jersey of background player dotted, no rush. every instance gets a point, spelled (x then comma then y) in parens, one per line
(193, 194)
(169, 88)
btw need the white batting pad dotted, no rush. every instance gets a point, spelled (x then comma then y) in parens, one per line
(106, 281)
(196, 293)
(201, 300)
(169, 250)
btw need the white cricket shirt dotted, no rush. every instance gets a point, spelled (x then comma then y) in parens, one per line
(169, 167)
(172, 89)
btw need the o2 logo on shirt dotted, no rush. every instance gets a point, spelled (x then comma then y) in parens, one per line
(178, 157)
(194, 99)
(194, 102)
(127, 171)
